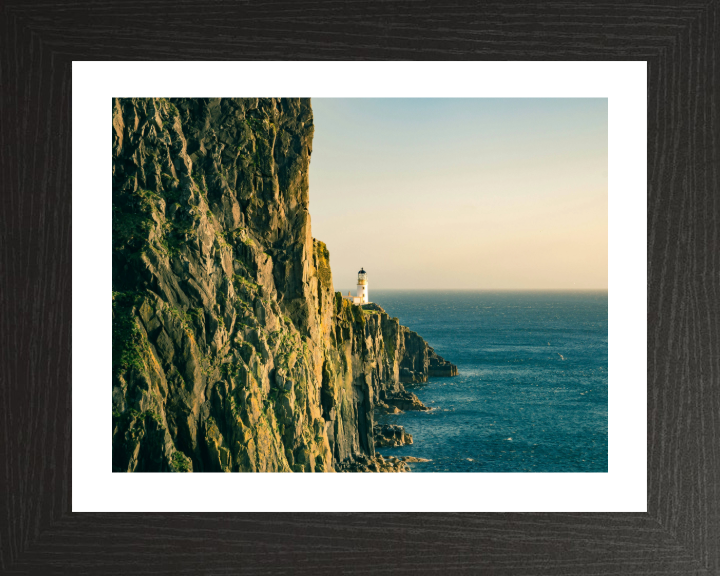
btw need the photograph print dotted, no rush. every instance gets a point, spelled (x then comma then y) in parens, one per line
(360, 285)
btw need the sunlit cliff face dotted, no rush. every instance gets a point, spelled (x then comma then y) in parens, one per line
(231, 350)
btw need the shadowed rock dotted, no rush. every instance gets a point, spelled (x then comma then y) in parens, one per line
(389, 435)
(231, 350)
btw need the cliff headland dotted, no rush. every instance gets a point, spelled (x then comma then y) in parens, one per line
(231, 349)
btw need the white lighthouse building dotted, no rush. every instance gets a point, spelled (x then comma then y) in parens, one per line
(362, 289)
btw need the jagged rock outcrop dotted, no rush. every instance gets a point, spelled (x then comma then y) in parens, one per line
(405, 401)
(231, 350)
(439, 366)
(376, 463)
(420, 360)
(391, 435)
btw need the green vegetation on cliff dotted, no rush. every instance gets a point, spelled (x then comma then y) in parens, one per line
(231, 351)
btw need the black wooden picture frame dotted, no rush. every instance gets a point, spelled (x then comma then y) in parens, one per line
(680, 533)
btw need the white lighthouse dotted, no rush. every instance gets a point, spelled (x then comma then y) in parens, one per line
(362, 290)
(362, 286)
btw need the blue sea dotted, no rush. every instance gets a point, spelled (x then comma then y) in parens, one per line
(532, 389)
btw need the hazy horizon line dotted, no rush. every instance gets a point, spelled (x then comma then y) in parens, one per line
(487, 289)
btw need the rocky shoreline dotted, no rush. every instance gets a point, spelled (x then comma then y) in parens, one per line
(391, 435)
(231, 350)
(379, 463)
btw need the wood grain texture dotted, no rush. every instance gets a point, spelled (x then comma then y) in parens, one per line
(681, 532)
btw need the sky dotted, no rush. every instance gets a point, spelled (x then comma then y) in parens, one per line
(481, 193)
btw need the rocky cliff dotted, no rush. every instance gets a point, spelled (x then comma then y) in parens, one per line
(231, 350)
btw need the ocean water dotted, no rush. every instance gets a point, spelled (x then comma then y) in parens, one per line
(532, 389)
